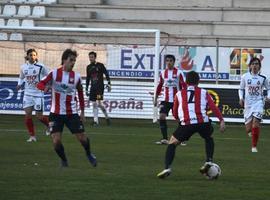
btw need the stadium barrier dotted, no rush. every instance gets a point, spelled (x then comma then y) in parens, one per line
(130, 100)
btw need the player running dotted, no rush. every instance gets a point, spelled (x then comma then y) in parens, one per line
(190, 109)
(30, 74)
(252, 99)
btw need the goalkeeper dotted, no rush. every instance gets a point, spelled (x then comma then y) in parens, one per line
(94, 75)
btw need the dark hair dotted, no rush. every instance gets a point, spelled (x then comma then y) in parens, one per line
(28, 52)
(67, 53)
(253, 59)
(192, 78)
(170, 57)
(92, 53)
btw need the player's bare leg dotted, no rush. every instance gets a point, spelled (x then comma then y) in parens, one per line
(101, 106)
(59, 148)
(29, 124)
(83, 139)
(95, 112)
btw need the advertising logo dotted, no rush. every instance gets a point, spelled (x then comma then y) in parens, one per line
(239, 59)
(187, 60)
(215, 98)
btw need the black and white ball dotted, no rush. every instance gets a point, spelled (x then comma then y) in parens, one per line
(213, 172)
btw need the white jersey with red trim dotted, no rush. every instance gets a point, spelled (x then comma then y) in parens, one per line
(251, 88)
(251, 91)
(192, 105)
(172, 80)
(31, 74)
(64, 87)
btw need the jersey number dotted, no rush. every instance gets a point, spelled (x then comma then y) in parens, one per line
(190, 96)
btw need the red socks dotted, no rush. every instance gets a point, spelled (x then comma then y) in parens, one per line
(45, 120)
(30, 126)
(255, 136)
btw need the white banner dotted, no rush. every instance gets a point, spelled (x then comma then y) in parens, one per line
(131, 100)
(128, 99)
(137, 62)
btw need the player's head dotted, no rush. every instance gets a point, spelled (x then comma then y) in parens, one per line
(92, 56)
(170, 60)
(69, 58)
(255, 65)
(192, 78)
(31, 56)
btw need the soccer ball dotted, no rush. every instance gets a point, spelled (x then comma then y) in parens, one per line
(213, 172)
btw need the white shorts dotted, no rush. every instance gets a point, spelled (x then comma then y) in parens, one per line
(253, 110)
(31, 101)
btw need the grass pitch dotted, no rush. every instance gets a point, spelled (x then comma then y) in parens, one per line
(128, 161)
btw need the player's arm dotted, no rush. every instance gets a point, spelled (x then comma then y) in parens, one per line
(79, 88)
(158, 90)
(88, 75)
(44, 71)
(107, 77)
(43, 84)
(175, 107)
(267, 87)
(241, 92)
(216, 111)
(21, 80)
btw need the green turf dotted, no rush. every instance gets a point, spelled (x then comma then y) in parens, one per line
(128, 161)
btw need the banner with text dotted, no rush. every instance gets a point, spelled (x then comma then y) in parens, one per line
(132, 100)
(11, 100)
(138, 61)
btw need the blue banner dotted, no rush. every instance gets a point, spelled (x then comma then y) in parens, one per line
(12, 100)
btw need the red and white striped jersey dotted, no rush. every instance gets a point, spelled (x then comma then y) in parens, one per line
(64, 85)
(173, 81)
(191, 105)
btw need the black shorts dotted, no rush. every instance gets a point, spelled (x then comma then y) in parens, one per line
(73, 122)
(165, 107)
(184, 132)
(96, 93)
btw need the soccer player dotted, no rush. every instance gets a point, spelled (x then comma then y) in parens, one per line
(172, 79)
(95, 71)
(252, 99)
(30, 74)
(190, 109)
(65, 83)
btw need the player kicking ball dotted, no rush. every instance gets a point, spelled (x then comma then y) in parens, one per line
(190, 109)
